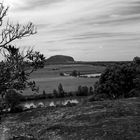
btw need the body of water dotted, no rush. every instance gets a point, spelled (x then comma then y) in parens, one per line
(4, 130)
(52, 102)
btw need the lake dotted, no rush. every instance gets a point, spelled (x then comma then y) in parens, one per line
(52, 102)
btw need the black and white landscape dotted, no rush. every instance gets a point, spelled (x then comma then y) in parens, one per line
(70, 70)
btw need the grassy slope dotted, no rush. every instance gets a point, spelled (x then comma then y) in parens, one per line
(107, 120)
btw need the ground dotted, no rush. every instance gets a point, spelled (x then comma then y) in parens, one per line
(105, 120)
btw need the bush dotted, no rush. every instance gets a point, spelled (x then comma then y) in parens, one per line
(136, 60)
(12, 99)
(70, 94)
(91, 90)
(75, 73)
(61, 74)
(61, 92)
(44, 93)
(82, 91)
(55, 93)
(117, 81)
(17, 109)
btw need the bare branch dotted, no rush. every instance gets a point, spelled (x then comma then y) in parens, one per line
(13, 32)
(3, 12)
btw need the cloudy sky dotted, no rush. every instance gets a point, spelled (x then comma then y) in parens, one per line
(88, 30)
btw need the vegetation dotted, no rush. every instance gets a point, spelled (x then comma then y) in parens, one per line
(82, 91)
(61, 90)
(62, 74)
(13, 99)
(102, 120)
(59, 93)
(119, 81)
(75, 73)
(17, 65)
(47, 79)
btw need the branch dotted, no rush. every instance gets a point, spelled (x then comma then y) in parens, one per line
(3, 12)
(13, 32)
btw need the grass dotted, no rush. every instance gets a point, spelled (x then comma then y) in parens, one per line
(49, 78)
(104, 120)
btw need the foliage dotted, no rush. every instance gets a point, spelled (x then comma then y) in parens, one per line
(55, 93)
(17, 66)
(61, 74)
(12, 99)
(14, 73)
(136, 60)
(44, 92)
(61, 90)
(60, 93)
(75, 73)
(82, 91)
(117, 81)
(91, 90)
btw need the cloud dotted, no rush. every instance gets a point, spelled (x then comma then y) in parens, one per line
(25, 5)
(82, 25)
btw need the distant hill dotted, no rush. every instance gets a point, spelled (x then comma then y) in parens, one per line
(60, 59)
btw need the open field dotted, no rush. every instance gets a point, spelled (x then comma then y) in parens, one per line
(49, 77)
(106, 120)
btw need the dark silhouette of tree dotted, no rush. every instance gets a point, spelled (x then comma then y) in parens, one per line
(75, 73)
(61, 90)
(136, 60)
(12, 99)
(55, 93)
(82, 91)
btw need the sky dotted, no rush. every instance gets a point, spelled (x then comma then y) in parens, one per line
(88, 30)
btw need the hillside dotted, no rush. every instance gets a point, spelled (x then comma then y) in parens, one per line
(60, 59)
(105, 120)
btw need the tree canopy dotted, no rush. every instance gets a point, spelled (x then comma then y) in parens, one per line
(17, 65)
(118, 81)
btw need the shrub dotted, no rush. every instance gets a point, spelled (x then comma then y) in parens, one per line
(55, 93)
(12, 99)
(61, 90)
(18, 65)
(91, 90)
(50, 96)
(61, 74)
(75, 73)
(60, 93)
(82, 91)
(44, 93)
(117, 81)
(70, 94)
(17, 109)
(136, 60)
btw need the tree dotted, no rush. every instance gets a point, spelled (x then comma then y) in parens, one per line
(17, 66)
(55, 93)
(136, 60)
(91, 90)
(12, 99)
(118, 81)
(82, 91)
(61, 90)
(75, 73)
